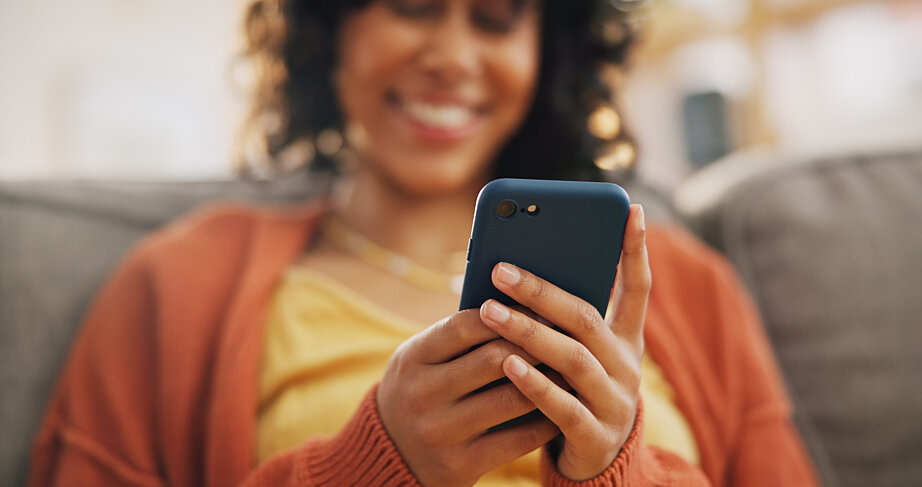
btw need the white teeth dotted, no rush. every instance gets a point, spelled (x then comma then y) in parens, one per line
(439, 116)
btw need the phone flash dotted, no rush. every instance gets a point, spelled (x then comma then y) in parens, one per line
(532, 210)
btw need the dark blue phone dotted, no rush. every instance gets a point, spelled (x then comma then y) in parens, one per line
(566, 232)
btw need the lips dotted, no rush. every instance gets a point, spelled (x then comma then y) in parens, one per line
(446, 117)
(437, 116)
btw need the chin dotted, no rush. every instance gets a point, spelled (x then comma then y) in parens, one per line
(428, 181)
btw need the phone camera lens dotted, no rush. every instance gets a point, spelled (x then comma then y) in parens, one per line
(505, 208)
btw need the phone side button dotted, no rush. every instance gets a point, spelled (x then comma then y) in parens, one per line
(469, 243)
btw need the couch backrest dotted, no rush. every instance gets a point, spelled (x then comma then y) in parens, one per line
(832, 251)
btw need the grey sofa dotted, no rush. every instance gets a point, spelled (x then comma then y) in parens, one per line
(831, 250)
(841, 327)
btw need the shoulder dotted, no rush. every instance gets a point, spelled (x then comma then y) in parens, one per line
(695, 286)
(208, 252)
(218, 232)
(678, 257)
(229, 223)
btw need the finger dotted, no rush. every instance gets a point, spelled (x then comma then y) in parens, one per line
(507, 444)
(492, 407)
(570, 358)
(566, 311)
(632, 287)
(479, 367)
(566, 411)
(451, 337)
(473, 415)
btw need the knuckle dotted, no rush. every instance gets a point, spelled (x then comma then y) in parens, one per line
(581, 360)
(537, 288)
(454, 328)
(509, 398)
(530, 329)
(445, 330)
(574, 416)
(494, 354)
(588, 317)
(460, 326)
(543, 391)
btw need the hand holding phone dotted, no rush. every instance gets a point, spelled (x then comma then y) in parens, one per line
(431, 410)
(599, 357)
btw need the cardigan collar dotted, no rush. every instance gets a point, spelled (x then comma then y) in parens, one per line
(279, 237)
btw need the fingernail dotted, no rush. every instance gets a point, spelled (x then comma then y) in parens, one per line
(517, 367)
(508, 274)
(496, 312)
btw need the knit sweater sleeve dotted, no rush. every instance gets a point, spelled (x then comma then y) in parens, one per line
(362, 453)
(637, 465)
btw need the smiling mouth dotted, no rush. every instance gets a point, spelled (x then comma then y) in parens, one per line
(447, 118)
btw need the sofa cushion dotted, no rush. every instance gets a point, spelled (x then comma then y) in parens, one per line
(832, 251)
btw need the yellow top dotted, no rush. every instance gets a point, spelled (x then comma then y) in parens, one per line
(326, 345)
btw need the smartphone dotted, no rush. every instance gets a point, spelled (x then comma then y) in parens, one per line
(568, 233)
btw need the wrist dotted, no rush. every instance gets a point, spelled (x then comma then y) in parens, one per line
(619, 471)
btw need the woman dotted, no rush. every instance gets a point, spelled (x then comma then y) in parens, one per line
(286, 348)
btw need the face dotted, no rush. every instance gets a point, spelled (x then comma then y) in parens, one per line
(432, 89)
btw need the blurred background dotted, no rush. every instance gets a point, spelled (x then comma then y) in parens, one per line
(107, 89)
(119, 89)
(794, 76)
(787, 134)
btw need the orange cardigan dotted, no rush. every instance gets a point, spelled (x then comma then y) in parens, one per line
(160, 387)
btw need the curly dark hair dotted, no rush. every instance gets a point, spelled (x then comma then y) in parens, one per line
(292, 43)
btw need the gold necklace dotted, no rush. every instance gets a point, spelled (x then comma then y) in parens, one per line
(344, 237)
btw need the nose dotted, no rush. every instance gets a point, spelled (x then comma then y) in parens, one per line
(451, 52)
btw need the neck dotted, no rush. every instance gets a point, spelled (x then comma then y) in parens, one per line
(426, 229)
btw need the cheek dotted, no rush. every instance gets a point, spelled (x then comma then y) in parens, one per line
(514, 70)
(372, 50)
